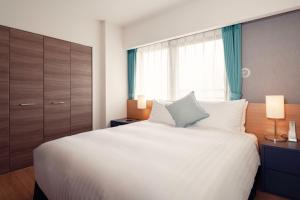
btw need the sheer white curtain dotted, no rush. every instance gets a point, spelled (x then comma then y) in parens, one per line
(153, 71)
(200, 66)
(172, 69)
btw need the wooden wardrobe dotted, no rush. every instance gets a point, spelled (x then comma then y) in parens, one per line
(57, 88)
(4, 99)
(45, 93)
(81, 92)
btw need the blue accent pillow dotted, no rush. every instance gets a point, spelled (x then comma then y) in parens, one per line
(186, 111)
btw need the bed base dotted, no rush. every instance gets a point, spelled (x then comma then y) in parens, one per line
(253, 192)
(39, 194)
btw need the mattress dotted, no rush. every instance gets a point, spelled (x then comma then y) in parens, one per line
(148, 161)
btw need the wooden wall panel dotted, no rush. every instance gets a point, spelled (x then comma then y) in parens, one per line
(26, 96)
(4, 99)
(81, 88)
(257, 123)
(134, 113)
(56, 88)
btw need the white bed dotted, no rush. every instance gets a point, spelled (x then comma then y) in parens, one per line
(148, 161)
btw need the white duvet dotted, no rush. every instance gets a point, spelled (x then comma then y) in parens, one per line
(148, 161)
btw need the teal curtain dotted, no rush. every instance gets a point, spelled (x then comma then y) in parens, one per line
(232, 39)
(131, 63)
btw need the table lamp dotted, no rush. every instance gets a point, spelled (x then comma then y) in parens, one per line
(275, 110)
(141, 102)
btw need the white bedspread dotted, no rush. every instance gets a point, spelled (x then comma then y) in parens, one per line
(148, 161)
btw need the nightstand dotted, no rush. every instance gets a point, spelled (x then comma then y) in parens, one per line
(281, 168)
(123, 121)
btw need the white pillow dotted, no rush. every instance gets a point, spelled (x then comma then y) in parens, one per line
(160, 114)
(228, 115)
(243, 128)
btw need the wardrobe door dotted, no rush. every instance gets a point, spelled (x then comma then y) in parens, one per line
(81, 88)
(56, 88)
(4, 99)
(26, 96)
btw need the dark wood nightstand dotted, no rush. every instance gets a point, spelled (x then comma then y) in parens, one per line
(123, 121)
(281, 168)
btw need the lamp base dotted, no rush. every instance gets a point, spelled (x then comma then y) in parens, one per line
(275, 138)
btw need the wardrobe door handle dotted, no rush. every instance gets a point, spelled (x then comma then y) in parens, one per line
(27, 104)
(57, 102)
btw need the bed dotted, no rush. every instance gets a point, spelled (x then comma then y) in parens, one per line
(148, 161)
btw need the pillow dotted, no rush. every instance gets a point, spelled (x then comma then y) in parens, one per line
(243, 128)
(160, 114)
(229, 115)
(186, 111)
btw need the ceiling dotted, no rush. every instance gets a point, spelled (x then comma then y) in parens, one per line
(122, 12)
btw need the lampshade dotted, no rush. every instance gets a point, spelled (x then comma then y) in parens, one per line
(141, 102)
(275, 106)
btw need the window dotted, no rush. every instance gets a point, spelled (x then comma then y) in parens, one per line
(170, 70)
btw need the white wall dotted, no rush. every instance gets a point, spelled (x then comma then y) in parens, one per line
(115, 73)
(18, 14)
(201, 15)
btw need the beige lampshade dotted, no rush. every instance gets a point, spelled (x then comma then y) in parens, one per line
(275, 106)
(141, 102)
